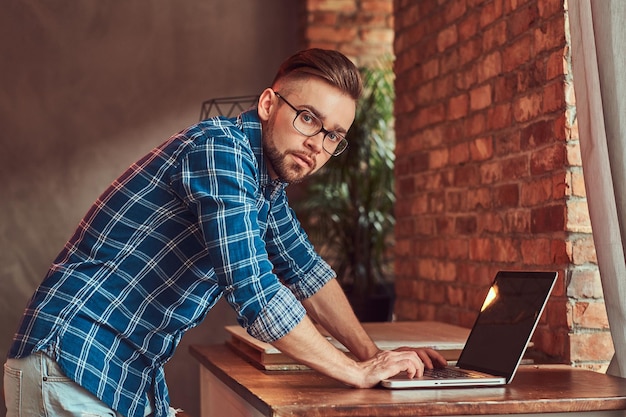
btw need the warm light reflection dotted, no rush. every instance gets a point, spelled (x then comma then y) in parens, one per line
(491, 297)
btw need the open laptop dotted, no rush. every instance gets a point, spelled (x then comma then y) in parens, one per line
(498, 339)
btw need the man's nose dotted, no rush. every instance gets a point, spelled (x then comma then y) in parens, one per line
(315, 142)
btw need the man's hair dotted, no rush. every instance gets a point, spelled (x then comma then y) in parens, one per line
(331, 66)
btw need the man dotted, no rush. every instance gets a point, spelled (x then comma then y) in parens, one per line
(202, 216)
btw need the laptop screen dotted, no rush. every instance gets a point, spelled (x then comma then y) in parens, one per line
(506, 322)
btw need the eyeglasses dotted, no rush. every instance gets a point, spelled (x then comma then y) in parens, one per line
(309, 125)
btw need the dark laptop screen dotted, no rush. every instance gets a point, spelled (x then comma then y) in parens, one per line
(506, 322)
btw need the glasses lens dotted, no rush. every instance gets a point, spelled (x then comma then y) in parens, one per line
(335, 148)
(307, 124)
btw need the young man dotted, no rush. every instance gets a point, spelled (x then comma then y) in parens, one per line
(202, 216)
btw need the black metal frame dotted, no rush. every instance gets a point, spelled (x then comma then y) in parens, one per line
(226, 106)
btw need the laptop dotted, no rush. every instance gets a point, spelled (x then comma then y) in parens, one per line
(498, 339)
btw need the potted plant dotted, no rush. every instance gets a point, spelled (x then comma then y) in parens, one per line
(347, 208)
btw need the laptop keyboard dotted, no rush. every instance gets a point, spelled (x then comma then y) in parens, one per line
(445, 373)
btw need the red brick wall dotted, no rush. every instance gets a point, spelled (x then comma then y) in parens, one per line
(361, 29)
(488, 167)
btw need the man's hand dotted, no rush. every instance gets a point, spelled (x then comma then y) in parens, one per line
(430, 357)
(387, 363)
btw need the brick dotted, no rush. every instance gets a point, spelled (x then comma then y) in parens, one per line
(450, 61)
(490, 12)
(537, 134)
(578, 220)
(585, 283)
(505, 87)
(549, 8)
(517, 54)
(506, 196)
(334, 34)
(481, 149)
(438, 158)
(457, 249)
(556, 66)
(494, 36)
(590, 315)
(377, 36)
(536, 252)
(532, 77)
(490, 222)
(527, 107)
(490, 67)
(468, 26)
(536, 192)
(458, 106)
(455, 9)
(577, 183)
(480, 97)
(582, 250)
(464, 80)
(479, 199)
(466, 176)
(550, 34)
(480, 249)
(465, 225)
(554, 97)
(499, 116)
(491, 172)
(475, 124)
(460, 153)
(377, 6)
(506, 250)
(515, 168)
(559, 252)
(522, 19)
(469, 51)
(547, 219)
(456, 201)
(560, 185)
(548, 159)
(447, 38)
(591, 346)
(517, 221)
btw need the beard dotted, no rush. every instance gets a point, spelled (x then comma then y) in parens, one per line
(287, 170)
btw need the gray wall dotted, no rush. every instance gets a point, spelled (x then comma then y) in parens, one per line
(89, 86)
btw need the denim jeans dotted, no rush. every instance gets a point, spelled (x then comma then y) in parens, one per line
(35, 387)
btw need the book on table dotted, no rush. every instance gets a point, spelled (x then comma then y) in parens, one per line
(447, 339)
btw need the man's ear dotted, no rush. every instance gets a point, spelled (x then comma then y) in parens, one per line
(266, 104)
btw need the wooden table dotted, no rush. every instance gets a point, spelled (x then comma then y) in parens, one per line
(231, 386)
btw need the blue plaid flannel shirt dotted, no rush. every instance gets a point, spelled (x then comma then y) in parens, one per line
(196, 219)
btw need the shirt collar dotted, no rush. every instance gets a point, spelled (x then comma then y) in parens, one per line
(250, 123)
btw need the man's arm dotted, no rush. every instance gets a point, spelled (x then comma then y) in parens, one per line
(305, 344)
(330, 308)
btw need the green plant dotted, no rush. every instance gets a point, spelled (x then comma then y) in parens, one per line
(347, 208)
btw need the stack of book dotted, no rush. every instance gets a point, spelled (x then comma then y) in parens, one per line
(446, 338)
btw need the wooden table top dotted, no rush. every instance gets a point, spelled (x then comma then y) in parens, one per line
(535, 389)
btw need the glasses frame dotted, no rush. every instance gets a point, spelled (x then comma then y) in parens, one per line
(343, 142)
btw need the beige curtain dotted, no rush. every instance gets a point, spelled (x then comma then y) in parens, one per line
(598, 30)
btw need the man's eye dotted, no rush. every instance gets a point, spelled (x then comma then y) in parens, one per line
(333, 136)
(308, 118)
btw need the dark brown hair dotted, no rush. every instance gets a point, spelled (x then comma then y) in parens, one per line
(332, 66)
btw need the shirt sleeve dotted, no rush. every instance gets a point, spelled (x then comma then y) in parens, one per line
(294, 258)
(217, 181)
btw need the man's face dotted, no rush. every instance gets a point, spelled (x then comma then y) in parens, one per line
(292, 156)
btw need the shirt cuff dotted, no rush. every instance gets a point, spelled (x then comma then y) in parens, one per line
(278, 318)
(313, 281)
